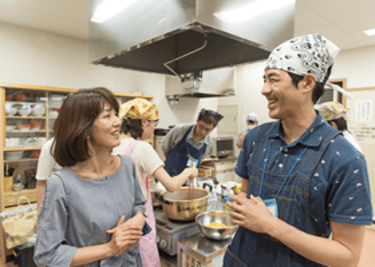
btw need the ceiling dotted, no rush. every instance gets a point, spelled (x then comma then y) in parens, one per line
(340, 21)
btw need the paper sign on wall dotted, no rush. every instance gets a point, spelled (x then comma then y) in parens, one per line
(363, 111)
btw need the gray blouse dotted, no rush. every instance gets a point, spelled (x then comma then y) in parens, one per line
(82, 210)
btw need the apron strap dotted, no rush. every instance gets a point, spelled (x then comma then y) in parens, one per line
(129, 151)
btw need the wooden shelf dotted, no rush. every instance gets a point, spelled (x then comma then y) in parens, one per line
(18, 148)
(29, 131)
(28, 103)
(25, 117)
(11, 198)
(19, 193)
(20, 160)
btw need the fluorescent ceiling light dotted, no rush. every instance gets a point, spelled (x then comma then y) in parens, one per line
(370, 32)
(254, 9)
(109, 8)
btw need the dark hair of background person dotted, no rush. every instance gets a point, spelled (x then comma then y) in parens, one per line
(210, 116)
(73, 126)
(341, 124)
(319, 87)
(132, 127)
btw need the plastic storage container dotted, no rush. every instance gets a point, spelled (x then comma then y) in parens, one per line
(226, 194)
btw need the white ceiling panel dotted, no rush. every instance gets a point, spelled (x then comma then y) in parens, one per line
(341, 21)
(339, 10)
(342, 39)
(307, 18)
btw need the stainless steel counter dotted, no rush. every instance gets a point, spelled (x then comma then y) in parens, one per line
(198, 246)
(202, 248)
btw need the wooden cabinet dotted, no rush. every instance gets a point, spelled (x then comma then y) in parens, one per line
(221, 170)
(27, 117)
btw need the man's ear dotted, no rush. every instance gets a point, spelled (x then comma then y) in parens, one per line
(308, 83)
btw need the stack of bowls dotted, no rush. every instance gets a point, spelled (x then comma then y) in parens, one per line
(13, 155)
(24, 110)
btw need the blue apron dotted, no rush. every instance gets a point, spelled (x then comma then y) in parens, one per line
(253, 249)
(177, 158)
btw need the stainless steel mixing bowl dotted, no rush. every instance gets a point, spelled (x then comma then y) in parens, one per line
(205, 218)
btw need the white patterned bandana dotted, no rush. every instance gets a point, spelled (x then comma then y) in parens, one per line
(311, 53)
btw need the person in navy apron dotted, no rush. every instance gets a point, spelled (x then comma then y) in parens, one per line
(186, 145)
(301, 179)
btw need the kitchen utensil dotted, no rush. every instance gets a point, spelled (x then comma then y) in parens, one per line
(30, 178)
(178, 205)
(155, 186)
(205, 218)
(13, 155)
(17, 187)
(15, 141)
(56, 100)
(36, 124)
(8, 178)
(8, 171)
(35, 154)
(30, 141)
(10, 127)
(23, 127)
(42, 140)
(191, 184)
(39, 110)
(24, 110)
(10, 109)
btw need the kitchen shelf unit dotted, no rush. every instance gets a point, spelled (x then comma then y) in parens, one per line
(31, 95)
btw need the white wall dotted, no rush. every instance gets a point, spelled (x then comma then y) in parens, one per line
(357, 66)
(33, 57)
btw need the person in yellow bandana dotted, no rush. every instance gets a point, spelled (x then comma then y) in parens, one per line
(336, 116)
(139, 119)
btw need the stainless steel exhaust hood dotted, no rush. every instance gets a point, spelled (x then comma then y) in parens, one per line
(149, 33)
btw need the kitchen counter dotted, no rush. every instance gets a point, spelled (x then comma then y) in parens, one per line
(197, 246)
(202, 249)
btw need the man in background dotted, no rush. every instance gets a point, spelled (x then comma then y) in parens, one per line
(252, 122)
(186, 145)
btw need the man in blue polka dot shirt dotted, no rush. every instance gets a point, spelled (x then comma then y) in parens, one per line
(301, 179)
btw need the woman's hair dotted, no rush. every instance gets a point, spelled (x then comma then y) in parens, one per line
(73, 126)
(132, 127)
(319, 87)
(341, 124)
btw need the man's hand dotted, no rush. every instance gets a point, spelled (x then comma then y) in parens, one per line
(242, 137)
(250, 213)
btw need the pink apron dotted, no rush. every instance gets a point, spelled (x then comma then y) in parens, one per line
(147, 244)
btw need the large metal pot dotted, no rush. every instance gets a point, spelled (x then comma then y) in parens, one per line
(183, 205)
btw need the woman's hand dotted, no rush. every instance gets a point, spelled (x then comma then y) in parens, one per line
(251, 213)
(125, 235)
(191, 172)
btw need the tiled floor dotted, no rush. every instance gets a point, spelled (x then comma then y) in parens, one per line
(367, 258)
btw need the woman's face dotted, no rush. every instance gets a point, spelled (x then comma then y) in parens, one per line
(106, 129)
(148, 128)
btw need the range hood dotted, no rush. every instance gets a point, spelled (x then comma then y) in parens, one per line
(213, 83)
(185, 37)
